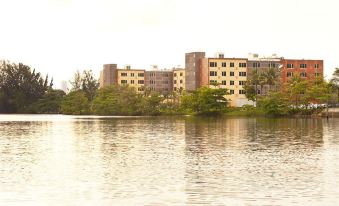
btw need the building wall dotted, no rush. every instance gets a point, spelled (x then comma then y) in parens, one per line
(236, 99)
(134, 78)
(160, 81)
(193, 67)
(179, 80)
(311, 69)
(108, 75)
(262, 66)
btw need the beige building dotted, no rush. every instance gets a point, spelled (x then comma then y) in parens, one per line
(132, 77)
(179, 79)
(229, 73)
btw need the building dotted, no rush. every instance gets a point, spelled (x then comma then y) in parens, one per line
(228, 73)
(108, 75)
(192, 70)
(306, 69)
(179, 83)
(264, 66)
(159, 80)
(133, 78)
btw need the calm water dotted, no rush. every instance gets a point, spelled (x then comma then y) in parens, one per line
(63, 160)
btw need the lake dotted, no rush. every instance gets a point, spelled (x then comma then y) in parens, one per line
(71, 160)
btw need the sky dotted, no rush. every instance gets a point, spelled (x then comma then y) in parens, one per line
(58, 37)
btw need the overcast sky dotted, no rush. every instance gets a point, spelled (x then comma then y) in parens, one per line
(60, 36)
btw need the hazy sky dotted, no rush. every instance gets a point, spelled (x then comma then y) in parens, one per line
(60, 36)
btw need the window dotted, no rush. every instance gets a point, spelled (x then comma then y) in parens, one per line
(242, 82)
(180, 81)
(213, 64)
(174, 88)
(316, 66)
(256, 64)
(231, 91)
(232, 74)
(151, 81)
(132, 81)
(123, 81)
(140, 74)
(132, 74)
(242, 92)
(223, 73)
(124, 74)
(152, 74)
(242, 74)
(166, 75)
(303, 66)
(175, 81)
(140, 81)
(271, 65)
(231, 82)
(232, 64)
(175, 74)
(213, 81)
(223, 82)
(181, 74)
(140, 89)
(289, 66)
(223, 64)
(242, 64)
(303, 74)
(213, 73)
(166, 82)
(317, 74)
(289, 74)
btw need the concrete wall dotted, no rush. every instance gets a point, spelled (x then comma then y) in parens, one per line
(108, 75)
(160, 81)
(193, 67)
(134, 78)
(179, 80)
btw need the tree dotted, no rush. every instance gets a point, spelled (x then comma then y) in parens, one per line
(296, 89)
(90, 85)
(205, 101)
(335, 83)
(75, 103)
(20, 87)
(76, 82)
(116, 100)
(275, 104)
(50, 103)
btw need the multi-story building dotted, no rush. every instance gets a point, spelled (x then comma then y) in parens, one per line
(264, 66)
(108, 75)
(159, 80)
(179, 80)
(193, 68)
(306, 69)
(217, 72)
(228, 73)
(134, 78)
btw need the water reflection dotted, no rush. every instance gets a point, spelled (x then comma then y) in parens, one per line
(58, 160)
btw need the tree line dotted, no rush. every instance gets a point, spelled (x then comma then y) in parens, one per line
(23, 90)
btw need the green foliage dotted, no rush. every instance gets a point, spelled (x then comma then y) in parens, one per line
(205, 101)
(20, 87)
(75, 103)
(50, 103)
(274, 104)
(85, 82)
(116, 100)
